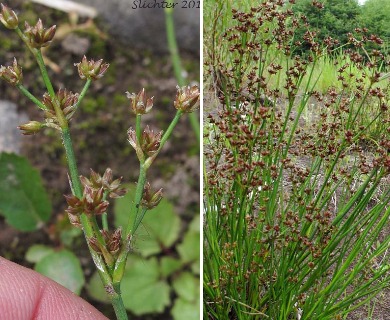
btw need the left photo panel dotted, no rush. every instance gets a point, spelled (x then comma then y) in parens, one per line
(99, 159)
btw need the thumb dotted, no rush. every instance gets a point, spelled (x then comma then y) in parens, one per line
(26, 294)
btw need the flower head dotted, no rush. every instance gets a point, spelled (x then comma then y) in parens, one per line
(38, 36)
(8, 17)
(12, 74)
(149, 144)
(91, 203)
(91, 69)
(187, 98)
(150, 141)
(113, 240)
(140, 104)
(97, 181)
(67, 101)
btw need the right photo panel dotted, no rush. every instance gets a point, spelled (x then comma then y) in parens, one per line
(296, 146)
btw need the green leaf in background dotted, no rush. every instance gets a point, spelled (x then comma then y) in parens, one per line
(187, 305)
(142, 289)
(64, 268)
(169, 265)
(160, 227)
(185, 310)
(189, 248)
(23, 200)
(195, 224)
(187, 286)
(37, 252)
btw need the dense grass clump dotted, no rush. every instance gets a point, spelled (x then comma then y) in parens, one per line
(296, 192)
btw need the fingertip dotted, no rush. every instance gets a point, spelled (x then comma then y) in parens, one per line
(25, 294)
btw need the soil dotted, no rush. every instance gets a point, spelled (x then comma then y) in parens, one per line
(99, 127)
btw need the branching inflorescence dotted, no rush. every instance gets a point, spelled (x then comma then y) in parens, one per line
(88, 203)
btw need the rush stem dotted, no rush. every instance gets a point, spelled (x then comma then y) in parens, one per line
(91, 229)
(177, 65)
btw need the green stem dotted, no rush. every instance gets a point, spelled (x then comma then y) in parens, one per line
(137, 199)
(138, 128)
(83, 92)
(91, 229)
(104, 215)
(168, 132)
(177, 65)
(164, 138)
(88, 222)
(172, 45)
(29, 95)
(131, 228)
(117, 303)
(122, 258)
(138, 220)
(71, 159)
(45, 76)
(104, 221)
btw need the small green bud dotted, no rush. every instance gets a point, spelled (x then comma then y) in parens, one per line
(187, 98)
(31, 127)
(8, 17)
(91, 69)
(12, 74)
(140, 104)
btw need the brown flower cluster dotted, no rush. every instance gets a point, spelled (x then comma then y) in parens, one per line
(12, 74)
(91, 69)
(93, 202)
(38, 36)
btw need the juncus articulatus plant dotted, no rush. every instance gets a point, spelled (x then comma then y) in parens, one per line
(296, 203)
